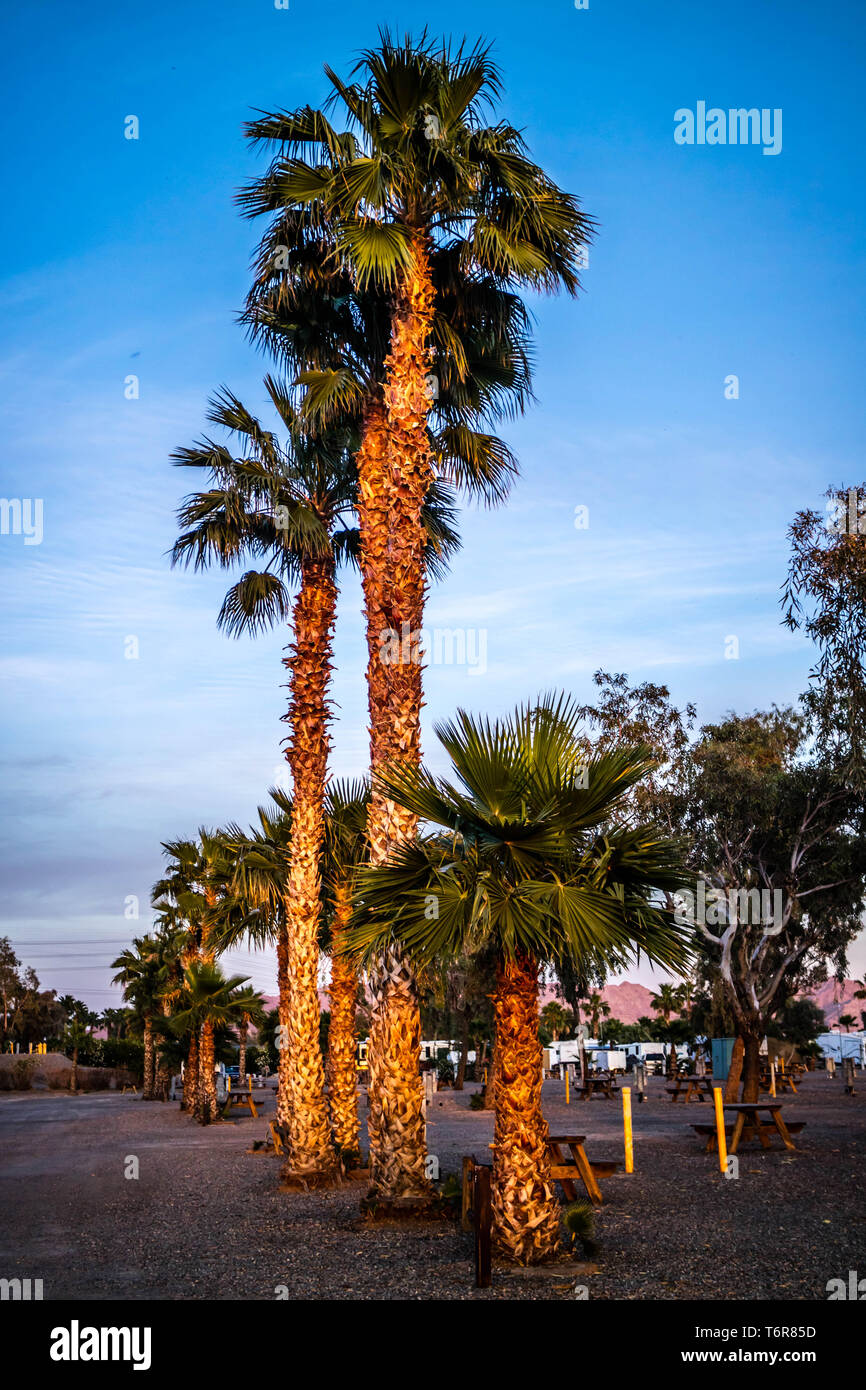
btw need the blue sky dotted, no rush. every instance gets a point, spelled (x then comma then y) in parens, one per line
(127, 257)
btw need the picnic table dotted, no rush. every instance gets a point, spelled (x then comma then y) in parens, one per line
(784, 1081)
(235, 1098)
(748, 1124)
(695, 1086)
(565, 1173)
(599, 1084)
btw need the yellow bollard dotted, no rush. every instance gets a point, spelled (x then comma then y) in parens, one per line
(567, 1101)
(720, 1129)
(626, 1124)
(772, 1078)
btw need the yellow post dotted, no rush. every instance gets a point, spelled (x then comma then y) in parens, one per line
(772, 1078)
(626, 1124)
(720, 1129)
(567, 1101)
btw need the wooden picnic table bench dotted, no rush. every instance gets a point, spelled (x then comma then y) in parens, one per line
(748, 1124)
(599, 1084)
(236, 1098)
(784, 1082)
(694, 1086)
(565, 1173)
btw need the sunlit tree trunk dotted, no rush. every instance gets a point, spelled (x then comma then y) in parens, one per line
(312, 1159)
(395, 473)
(147, 1083)
(207, 1097)
(342, 1043)
(190, 1076)
(284, 1010)
(525, 1207)
(242, 1052)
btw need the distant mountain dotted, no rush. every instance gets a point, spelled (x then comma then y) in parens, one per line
(628, 1002)
(836, 999)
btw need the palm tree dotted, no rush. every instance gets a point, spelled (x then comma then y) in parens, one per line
(595, 1009)
(138, 968)
(556, 1019)
(528, 861)
(185, 899)
(209, 1002)
(847, 1021)
(290, 506)
(666, 1002)
(417, 200)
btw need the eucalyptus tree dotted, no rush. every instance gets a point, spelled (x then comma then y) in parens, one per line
(426, 205)
(524, 857)
(779, 855)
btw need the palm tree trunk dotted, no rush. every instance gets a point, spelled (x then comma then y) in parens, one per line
(284, 1011)
(207, 1099)
(73, 1075)
(342, 1043)
(735, 1071)
(147, 1083)
(242, 1052)
(190, 1076)
(395, 472)
(312, 1159)
(525, 1207)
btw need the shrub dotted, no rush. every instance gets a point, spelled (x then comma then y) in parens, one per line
(18, 1077)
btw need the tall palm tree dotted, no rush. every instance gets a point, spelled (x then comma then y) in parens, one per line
(138, 972)
(416, 187)
(527, 859)
(666, 1002)
(258, 913)
(185, 899)
(289, 506)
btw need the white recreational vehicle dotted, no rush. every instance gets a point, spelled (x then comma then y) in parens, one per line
(842, 1045)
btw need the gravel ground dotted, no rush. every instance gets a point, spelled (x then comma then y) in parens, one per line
(205, 1218)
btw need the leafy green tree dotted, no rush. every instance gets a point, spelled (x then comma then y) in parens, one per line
(825, 597)
(772, 813)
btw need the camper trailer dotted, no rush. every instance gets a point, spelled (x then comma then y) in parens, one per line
(842, 1045)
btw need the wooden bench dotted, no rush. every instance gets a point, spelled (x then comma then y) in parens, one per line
(697, 1086)
(710, 1131)
(236, 1098)
(748, 1124)
(565, 1173)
